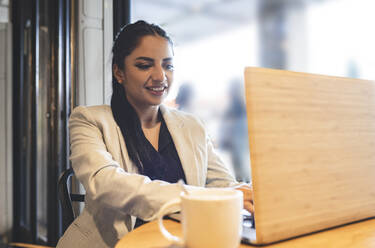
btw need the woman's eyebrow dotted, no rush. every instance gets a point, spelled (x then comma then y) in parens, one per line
(145, 58)
(152, 60)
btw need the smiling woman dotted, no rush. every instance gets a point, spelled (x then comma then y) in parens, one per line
(147, 75)
(142, 79)
(129, 156)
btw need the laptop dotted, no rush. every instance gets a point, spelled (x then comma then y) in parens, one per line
(312, 150)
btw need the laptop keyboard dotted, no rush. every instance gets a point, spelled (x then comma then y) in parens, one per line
(248, 221)
(248, 229)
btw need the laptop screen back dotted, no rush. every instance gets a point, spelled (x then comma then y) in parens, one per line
(312, 149)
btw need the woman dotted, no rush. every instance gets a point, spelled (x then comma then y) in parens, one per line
(130, 155)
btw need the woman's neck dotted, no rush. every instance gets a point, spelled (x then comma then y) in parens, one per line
(148, 116)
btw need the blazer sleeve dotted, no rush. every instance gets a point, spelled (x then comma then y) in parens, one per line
(105, 181)
(218, 174)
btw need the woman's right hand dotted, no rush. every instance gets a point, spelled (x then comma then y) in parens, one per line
(247, 191)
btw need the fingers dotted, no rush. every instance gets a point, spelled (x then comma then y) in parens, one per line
(247, 197)
(247, 192)
(248, 206)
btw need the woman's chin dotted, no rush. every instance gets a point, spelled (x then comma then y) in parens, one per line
(155, 103)
(157, 100)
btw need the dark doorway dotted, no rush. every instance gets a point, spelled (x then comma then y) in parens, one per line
(41, 106)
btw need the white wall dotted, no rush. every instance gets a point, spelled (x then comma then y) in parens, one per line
(6, 192)
(95, 37)
(94, 59)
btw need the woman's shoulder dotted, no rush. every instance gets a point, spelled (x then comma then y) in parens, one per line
(97, 113)
(102, 109)
(181, 116)
(96, 109)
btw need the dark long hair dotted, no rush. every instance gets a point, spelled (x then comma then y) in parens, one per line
(124, 114)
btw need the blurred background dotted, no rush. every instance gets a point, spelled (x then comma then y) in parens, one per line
(216, 39)
(55, 55)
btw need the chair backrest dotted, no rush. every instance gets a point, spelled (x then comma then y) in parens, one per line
(66, 198)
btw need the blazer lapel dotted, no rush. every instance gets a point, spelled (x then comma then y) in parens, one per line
(125, 162)
(182, 139)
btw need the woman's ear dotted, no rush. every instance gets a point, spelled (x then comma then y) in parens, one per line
(118, 74)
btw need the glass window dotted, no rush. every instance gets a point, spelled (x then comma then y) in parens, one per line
(215, 40)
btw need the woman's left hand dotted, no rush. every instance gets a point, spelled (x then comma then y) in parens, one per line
(247, 191)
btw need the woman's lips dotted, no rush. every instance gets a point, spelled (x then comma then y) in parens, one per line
(157, 90)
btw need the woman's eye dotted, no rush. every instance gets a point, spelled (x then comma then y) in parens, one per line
(143, 66)
(169, 67)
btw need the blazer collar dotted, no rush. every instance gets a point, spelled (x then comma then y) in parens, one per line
(170, 117)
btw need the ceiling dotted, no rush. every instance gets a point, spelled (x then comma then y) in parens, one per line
(187, 20)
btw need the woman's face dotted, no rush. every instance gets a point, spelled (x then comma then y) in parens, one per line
(148, 72)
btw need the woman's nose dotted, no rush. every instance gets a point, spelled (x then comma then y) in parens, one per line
(158, 74)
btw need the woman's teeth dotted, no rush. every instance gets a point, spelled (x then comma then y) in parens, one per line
(156, 88)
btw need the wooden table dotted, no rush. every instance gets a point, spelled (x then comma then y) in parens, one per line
(357, 235)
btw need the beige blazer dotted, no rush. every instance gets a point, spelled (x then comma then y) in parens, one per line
(115, 193)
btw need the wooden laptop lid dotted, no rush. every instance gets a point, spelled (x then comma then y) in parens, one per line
(312, 149)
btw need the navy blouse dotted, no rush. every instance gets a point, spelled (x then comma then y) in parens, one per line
(164, 164)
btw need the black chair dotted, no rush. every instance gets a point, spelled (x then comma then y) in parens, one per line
(66, 198)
